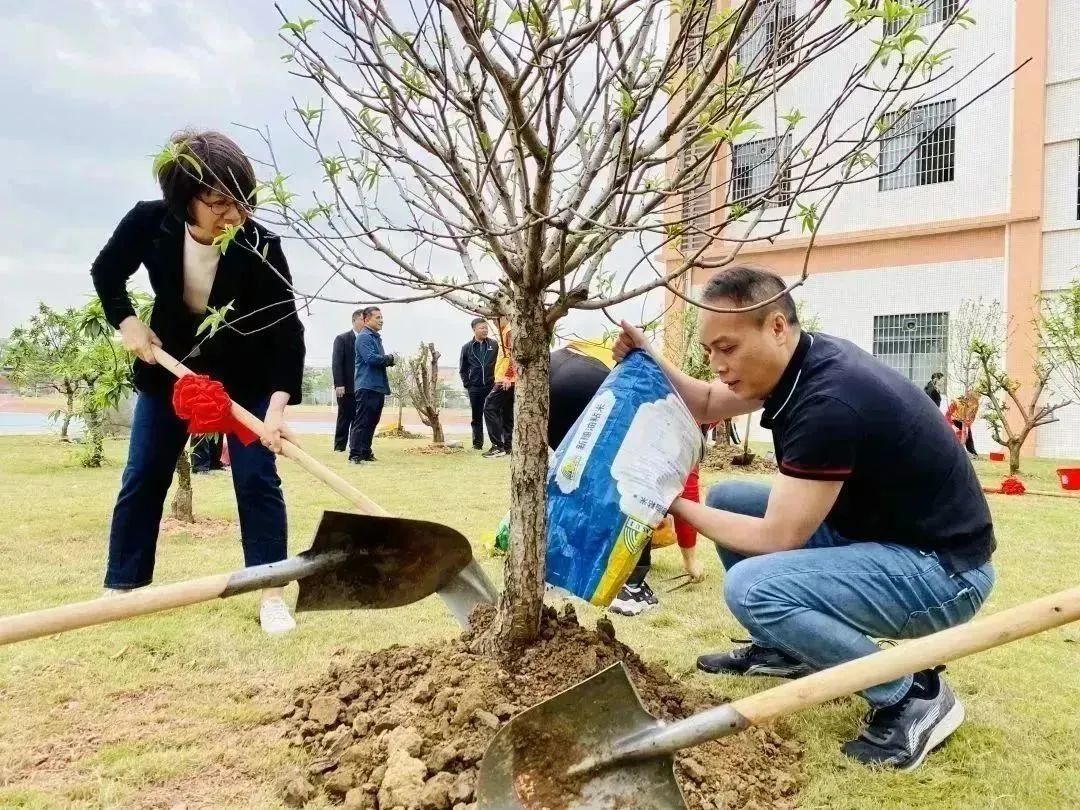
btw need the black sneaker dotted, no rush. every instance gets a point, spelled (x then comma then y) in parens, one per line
(494, 452)
(370, 457)
(753, 660)
(633, 600)
(357, 460)
(901, 736)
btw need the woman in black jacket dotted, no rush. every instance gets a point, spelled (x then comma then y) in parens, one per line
(258, 356)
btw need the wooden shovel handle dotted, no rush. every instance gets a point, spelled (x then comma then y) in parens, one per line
(288, 449)
(110, 608)
(913, 656)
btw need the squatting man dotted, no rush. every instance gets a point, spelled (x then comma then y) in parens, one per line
(875, 527)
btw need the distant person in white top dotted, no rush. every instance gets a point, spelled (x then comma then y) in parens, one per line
(207, 188)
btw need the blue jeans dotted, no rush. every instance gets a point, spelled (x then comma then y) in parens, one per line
(821, 604)
(157, 437)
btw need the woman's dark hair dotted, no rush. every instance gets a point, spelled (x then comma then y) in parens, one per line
(202, 161)
(745, 285)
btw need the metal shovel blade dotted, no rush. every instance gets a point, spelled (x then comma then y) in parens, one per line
(384, 562)
(525, 766)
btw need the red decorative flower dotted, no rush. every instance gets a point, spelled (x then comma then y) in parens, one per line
(203, 403)
(1013, 486)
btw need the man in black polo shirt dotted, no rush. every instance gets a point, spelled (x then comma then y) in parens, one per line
(876, 526)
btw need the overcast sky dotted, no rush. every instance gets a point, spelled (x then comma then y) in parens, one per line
(92, 88)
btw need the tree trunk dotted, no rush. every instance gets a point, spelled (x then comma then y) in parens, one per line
(95, 449)
(518, 620)
(68, 411)
(182, 501)
(437, 435)
(401, 412)
(1014, 456)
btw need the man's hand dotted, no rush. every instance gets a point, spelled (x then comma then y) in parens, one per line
(630, 338)
(339, 392)
(139, 338)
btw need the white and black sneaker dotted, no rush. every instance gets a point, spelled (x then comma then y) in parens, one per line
(494, 452)
(633, 600)
(753, 659)
(901, 736)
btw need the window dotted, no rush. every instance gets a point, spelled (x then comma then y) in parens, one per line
(767, 38)
(915, 345)
(696, 200)
(698, 24)
(918, 146)
(926, 13)
(756, 173)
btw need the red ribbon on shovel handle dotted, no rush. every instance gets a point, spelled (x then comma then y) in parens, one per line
(203, 403)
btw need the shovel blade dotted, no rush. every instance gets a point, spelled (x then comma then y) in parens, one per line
(384, 562)
(524, 767)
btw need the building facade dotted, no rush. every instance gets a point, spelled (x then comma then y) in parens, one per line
(979, 198)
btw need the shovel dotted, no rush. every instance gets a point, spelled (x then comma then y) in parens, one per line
(355, 561)
(595, 747)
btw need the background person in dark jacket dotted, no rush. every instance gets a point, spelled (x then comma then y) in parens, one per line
(344, 371)
(371, 384)
(477, 369)
(258, 356)
(932, 390)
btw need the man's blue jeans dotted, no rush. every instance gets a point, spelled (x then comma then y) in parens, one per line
(822, 604)
(157, 437)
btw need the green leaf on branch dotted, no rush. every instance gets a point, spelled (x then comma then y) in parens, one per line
(226, 237)
(793, 118)
(214, 320)
(808, 216)
(298, 28)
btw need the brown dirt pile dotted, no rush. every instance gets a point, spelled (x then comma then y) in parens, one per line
(406, 727)
(719, 457)
(435, 450)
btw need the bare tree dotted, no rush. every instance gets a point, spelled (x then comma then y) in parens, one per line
(497, 154)
(1002, 391)
(424, 389)
(1059, 335)
(182, 506)
(975, 323)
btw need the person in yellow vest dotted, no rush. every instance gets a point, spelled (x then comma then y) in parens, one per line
(499, 405)
(577, 372)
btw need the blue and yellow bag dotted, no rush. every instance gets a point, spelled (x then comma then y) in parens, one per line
(614, 477)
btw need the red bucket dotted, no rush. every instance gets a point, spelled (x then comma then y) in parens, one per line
(1069, 477)
(997, 456)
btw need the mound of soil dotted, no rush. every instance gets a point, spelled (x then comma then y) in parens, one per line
(719, 457)
(397, 433)
(203, 528)
(406, 727)
(435, 450)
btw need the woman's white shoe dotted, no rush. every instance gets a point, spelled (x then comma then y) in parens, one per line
(274, 616)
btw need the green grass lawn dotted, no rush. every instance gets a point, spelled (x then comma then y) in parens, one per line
(171, 710)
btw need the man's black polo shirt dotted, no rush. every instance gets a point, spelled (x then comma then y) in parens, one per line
(838, 414)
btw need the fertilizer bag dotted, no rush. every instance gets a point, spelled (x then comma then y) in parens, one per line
(614, 477)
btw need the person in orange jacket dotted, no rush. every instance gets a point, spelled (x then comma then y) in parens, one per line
(499, 405)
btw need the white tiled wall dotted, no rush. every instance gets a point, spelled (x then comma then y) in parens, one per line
(982, 130)
(1064, 57)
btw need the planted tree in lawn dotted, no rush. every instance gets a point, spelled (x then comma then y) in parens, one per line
(1059, 333)
(39, 355)
(1011, 419)
(422, 382)
(524, 160)
(976, 322)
